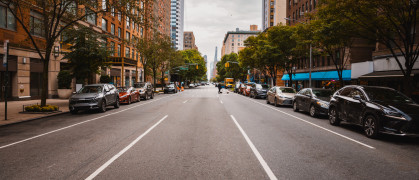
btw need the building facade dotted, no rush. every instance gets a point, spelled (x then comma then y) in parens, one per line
(189, 41)
(26, 67)
(274, 12)
(234, 40)
(177, 23)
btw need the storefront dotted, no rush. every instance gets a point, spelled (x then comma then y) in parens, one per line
(324, 79)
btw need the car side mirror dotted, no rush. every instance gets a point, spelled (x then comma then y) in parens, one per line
(357, 97)
(74, 92)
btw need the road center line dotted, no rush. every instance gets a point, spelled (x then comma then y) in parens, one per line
(315, 125)
(60, 129)
(120, 153)
(185, 101)
(255, 151)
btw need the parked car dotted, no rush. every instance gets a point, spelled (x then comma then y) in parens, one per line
(280, 96)
(191, 85)
(170, 88)
(128, 95)
(145, 89)
(247, 89)
(376, 109)
(259, 91)
(313, 100)
(94, 96)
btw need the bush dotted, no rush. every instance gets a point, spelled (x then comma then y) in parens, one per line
(64, 80)
(105, 79)
(39, 108)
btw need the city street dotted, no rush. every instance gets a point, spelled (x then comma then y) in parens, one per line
(200, 134)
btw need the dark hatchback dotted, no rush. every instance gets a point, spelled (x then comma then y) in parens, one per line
(171, 88)
(376, 109)
(313, 100)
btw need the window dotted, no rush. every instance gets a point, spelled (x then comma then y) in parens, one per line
(345, 92)
(90, 16)
(127, 20)
(141, 32)
(104, 4)
(119, 17)
(112, 28)
(113, 11)
(119, 50)
(7, 20)
(127, 52)
(112, 47)
(133, 55)
(104, 24)
(127, 36)
(36, 24)
(232, 44)
(119, 32)
(314, 4)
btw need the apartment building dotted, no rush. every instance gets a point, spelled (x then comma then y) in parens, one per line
(25, 66)
(177, 23)
(273, 13)
(234, 40)
(189, 41)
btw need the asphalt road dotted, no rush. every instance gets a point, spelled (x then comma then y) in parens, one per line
(199, 134)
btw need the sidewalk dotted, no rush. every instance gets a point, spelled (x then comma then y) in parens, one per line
(14, 107)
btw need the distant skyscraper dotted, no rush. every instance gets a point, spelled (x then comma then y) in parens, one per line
(176, 23)
(213, 68)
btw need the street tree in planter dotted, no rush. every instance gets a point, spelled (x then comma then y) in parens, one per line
(87, 56)
(64, 84)
(105, 79)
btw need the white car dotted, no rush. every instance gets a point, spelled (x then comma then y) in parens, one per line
(191, 85)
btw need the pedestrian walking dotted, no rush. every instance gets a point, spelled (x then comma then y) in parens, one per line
(219, 88)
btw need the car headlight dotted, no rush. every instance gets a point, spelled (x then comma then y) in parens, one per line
(323, 104)
(391, 112)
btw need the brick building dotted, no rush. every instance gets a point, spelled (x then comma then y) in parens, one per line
(189, 41)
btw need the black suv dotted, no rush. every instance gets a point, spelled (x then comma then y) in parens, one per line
(376, 109)
(145, 89)
(94, 96)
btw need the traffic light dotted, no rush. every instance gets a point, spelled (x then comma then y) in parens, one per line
(227, 64)
(196, 66)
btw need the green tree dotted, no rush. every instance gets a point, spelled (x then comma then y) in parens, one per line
(392, 23)
(195, 63)
(58, 16)
(87, 56)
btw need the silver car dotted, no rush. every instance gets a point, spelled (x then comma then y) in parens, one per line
(94, 96)
(280, 96)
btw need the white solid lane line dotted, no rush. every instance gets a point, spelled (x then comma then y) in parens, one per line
(315, 125)
(221, 102)
(185, 101)
(110, 161)
(255, 151)
(37, 136)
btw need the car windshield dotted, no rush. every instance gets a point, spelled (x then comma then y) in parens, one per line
(260, 86)
(322, 93)
(140, 85)
(91, 89)
(170, 86)
(287, 90)
(122, 89)
(386, 95)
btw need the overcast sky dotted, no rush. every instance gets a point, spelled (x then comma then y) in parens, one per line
(211, 19)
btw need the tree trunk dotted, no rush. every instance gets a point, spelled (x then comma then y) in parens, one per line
(407, 88)
(44, 91)
(162, 80)
(154, 78)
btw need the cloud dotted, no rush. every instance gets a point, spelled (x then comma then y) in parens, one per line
(211, 19)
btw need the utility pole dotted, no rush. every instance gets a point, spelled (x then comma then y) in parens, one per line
(5, 63)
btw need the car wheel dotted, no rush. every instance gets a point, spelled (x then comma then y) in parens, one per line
(276, 102)
(313, 112)
(129, 100)
(152, 96)
(103, 106)
(333, 117)
(294, 106)
(267, 101)
(146, 97)
(371, 127)
(117, 103)
(138, 98)
(74, 111)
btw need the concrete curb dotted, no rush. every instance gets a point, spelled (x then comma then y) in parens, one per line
(32, 119)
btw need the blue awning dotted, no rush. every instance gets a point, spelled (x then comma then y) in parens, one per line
(319, 76)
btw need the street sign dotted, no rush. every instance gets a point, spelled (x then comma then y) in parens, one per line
(5, 53)
(184, 68)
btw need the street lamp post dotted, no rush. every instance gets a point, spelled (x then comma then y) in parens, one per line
(311, 54)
